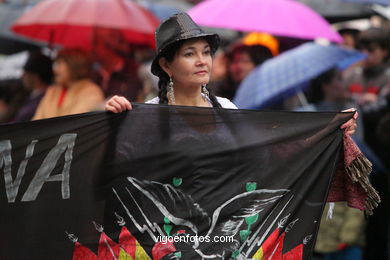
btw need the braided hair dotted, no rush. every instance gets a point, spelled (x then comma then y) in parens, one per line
(169, 55)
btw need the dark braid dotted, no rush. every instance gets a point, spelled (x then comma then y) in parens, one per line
(213, 98)
(162, 91)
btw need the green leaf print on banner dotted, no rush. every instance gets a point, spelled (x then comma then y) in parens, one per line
(251, 186)
(168, 229)
(235, 253)
(252, 219)
(177, 181)
(244, 234)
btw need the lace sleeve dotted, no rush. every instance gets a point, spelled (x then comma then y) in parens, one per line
(226, 103)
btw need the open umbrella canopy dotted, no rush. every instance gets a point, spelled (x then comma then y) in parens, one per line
(337, 11)
(165, 8)
(73, 22)
(381, 2)
(10, 42)
(278, 17)
(285, 75)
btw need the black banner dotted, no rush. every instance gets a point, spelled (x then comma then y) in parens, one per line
(166, 182)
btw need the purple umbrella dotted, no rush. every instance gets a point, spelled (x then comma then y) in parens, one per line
(279, 17)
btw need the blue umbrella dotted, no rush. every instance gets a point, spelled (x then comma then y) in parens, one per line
(164, 9)
(287, 74)
(161, 11)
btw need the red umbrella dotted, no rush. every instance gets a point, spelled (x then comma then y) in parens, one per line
(72, 23)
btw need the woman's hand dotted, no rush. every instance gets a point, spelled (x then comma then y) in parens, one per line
(350, 125)
(118, 104)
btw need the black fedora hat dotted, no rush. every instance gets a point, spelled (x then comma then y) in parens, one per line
(177, 28)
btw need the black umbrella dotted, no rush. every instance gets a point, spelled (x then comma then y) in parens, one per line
(337, 11)
(381, 2)
(9, 42)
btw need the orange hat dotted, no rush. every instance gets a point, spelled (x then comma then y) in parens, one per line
(264, 39)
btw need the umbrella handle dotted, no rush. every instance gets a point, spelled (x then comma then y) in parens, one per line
(51, 40)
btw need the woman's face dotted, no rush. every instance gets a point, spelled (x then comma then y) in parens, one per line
(61, 72)
(191, 65)
(240, 66)
(334, 90)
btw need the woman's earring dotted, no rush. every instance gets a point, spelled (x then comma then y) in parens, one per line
(170, 92)
(205, 91)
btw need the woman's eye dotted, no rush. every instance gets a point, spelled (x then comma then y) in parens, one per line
(188, 54)
(207, 52)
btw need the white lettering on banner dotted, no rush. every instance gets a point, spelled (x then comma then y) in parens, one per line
(65, 146)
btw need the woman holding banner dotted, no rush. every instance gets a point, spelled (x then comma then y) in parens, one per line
(183, 64)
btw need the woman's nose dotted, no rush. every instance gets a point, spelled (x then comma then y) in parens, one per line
(200, 59)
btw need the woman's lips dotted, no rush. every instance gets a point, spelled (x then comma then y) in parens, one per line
(202, 72)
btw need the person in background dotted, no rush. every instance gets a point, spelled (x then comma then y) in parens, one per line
(342, 236)
(368, 82)
(241, 60)
(350, 37)
(149, 82)
(327, 92)
(220, 68)
(73, 92)
(37, 77)
(115, 68)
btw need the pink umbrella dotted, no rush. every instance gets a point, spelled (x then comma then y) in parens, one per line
(279, 17)
(73, 22)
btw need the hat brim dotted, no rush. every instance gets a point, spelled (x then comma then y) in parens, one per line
(212, 38)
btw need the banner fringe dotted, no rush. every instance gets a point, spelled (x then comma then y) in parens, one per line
(359, 170)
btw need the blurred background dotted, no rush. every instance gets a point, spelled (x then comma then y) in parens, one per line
(61, 57)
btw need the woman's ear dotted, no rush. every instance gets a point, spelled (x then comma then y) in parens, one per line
(165, 66)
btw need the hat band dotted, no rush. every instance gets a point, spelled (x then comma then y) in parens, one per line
(196, 32)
